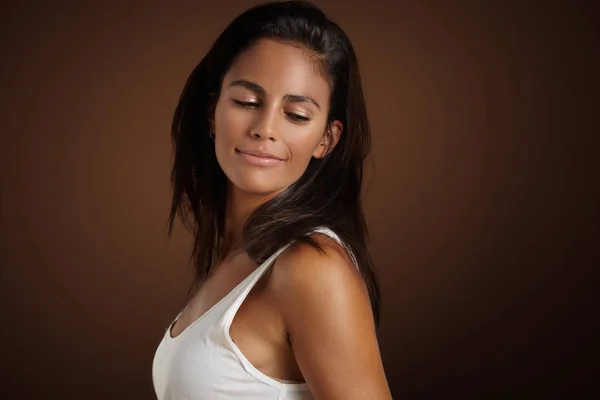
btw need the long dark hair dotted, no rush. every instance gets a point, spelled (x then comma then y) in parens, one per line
(327, 194)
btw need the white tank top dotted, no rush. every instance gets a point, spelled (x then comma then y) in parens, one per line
(203, 362)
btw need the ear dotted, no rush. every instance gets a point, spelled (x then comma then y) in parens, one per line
(329, 140)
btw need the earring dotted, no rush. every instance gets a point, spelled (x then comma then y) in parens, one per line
(211, 135)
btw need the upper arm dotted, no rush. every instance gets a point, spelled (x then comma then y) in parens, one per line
(326, 309)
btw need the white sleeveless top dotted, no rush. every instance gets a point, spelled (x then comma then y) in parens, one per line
(203, 362)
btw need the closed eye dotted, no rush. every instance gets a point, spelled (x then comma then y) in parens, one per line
(246, 104)
(297, 117)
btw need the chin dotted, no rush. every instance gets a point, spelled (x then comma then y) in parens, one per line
(259, 185)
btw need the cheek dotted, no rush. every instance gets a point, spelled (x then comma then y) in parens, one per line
(302, 150)
(230, 123)
(228, 127)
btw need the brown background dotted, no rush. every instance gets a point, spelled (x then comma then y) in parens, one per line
(481, 227)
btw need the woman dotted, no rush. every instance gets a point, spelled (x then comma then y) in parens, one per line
(269, 137)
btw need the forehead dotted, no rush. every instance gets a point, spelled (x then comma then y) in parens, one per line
(280, 68)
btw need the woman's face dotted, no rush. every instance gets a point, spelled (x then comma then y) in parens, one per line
(273, 100)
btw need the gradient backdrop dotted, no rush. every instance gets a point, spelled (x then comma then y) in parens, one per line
(480, 225)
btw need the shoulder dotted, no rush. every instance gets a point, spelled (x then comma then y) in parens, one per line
(324, 304)
(304, 273)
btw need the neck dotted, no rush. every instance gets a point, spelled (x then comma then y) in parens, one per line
(239, 207)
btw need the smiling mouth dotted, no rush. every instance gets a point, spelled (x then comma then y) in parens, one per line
(263, 161)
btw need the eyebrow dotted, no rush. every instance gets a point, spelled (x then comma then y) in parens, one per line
(256, 88)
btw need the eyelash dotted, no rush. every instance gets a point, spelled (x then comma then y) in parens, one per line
(253, 104)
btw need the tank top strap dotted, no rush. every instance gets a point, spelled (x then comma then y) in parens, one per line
(253, 278)
(248, 284)
(327, 231)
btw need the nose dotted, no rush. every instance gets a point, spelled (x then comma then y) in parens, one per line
(264, 126)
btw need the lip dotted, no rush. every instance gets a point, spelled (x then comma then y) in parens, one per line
(260, 158)
(261, 154)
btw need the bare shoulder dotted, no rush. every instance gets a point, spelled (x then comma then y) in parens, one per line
(305, 268)
(325, 306)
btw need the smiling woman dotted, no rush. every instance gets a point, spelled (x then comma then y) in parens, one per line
(270, 137)
(270, 106)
